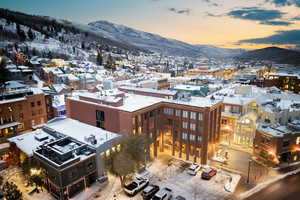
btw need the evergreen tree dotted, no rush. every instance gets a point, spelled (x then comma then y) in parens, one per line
(49, 55)
(11, 191)
(99, 58)
(30, 34)
(83, 45)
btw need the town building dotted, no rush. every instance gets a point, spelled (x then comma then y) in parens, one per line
(183, 126)
(22, 108)
(276, 144)
(71, 154)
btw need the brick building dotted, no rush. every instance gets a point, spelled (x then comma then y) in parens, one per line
(22, 108)
(185, 127)
(277, 144)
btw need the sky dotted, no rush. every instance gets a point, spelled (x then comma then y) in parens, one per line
(248, 24)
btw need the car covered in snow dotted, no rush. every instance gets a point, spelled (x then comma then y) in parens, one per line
(163, 194)
(208, 173)
(193, 169)
(136, 186)
(149, 192)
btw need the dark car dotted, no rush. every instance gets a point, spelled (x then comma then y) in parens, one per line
(179, 198)
(208, 173)
(149, 191)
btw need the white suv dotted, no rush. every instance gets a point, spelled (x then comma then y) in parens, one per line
(193, 169)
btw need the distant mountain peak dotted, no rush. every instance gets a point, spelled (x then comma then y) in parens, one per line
(157, 43)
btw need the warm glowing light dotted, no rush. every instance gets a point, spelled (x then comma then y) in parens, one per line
(34, 171)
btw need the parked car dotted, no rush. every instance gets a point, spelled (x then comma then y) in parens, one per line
(179, 198)
(149, 191)
(208, 173)
(193, 169)
(163, 194)
(136, 186)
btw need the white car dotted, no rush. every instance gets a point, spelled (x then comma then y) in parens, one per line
(136, 186)
(193, 169)
(163, 194)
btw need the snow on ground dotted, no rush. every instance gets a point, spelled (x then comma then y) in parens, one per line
(181, 183)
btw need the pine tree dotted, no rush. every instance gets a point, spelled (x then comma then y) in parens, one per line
(30, 34)
(99, 58)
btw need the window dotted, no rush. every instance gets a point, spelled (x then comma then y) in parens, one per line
(10, 109)
(168, 111)
(133, 120)
(199, 138)
(192, 126)
(100, 116)
(235, 109)
(184, 136)
(227, 108)
(38, 103)
(298, 140)
(184, 125)
(185, 114)
(178, 113)
(32, 104)
(192, 137)
(193, 115)
(100, 119)
(200, 116)
(33, 113)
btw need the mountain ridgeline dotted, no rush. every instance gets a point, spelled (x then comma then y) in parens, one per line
(156, 43)
(275, 54)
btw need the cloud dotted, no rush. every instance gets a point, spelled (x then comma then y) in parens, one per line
(276, 23)
(255, 14)
(180, 11)
(285, 2)
(281, 37)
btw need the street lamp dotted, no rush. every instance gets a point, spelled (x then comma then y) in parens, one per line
(249, 165)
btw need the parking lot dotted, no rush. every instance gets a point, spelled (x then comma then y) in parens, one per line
(173, 175)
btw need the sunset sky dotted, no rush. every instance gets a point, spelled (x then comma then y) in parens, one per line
(246, 24)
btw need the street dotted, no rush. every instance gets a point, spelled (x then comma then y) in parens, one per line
(285, 189)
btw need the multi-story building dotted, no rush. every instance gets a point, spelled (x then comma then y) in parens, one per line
(284, 81)
(184, 126)
(21, 108)
(71, 154)
(278, 144)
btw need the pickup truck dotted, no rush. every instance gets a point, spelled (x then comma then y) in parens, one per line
(135, 186)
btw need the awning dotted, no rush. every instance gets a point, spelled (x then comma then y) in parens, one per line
(9, 125)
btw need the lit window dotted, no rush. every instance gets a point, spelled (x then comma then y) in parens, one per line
(200, 116)
(184, 125)
(193, 126)
(10, 109)
(184, 136)
(298, 140)
(185, 114)
(178, 113)
(192, 137)
(193, 115)
(168, 111)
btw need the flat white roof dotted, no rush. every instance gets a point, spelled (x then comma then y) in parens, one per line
(78, 130)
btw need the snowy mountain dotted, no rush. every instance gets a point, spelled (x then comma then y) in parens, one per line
(46, 35)
(152, 42)
(156, 43)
